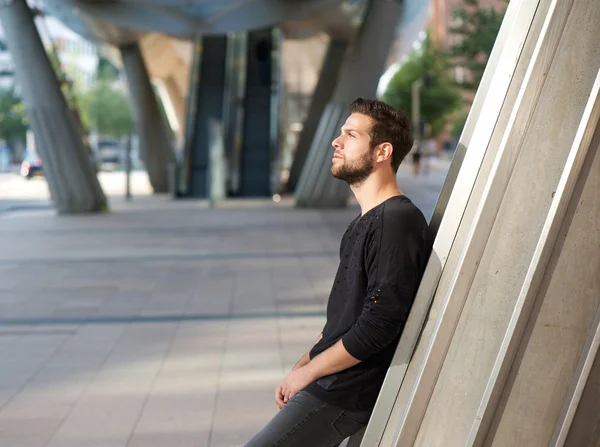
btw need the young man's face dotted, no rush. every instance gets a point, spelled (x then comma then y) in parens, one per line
(353, 157)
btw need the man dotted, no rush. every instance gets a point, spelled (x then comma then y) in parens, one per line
(330, 393)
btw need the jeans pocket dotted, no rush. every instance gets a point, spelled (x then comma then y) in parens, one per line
(346, 426)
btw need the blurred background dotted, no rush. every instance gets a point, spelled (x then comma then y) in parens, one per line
(437, 54)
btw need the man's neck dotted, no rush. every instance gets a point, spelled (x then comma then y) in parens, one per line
(375, 191)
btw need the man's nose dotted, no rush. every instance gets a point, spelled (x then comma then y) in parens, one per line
(335, 143)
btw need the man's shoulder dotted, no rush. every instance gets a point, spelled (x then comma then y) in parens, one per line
(400, 211)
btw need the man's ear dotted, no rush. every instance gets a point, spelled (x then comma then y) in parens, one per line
(384, 152)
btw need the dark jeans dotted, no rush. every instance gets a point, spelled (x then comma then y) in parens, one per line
(307, 421)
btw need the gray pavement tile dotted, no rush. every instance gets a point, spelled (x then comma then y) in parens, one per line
(180, 410)
(106, 419)
(79, 358)
(174, 438)
(28, 408)
(50, 388)
(23, 441)
(28, 426)
(6, 394)
(234, 421)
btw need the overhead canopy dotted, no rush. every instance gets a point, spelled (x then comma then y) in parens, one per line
(119, 21)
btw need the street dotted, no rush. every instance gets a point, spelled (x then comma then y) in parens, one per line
(18, 193)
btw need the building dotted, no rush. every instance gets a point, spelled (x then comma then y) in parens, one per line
(443, 19)
(78, 56)
(78, 59)
(6, 67)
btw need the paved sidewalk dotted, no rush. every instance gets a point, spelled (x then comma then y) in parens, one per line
(161, 323)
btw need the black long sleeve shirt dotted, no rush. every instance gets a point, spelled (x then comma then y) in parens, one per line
(382, 258)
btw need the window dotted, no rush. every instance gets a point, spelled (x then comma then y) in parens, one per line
(460, 74)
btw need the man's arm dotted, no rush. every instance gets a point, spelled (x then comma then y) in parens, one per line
(306, 357)
(334, 359)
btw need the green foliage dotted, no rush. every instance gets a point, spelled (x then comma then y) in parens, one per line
(105, 69)
(61, 77)
(104, 108)
(71, 92)
(475, 35)
(108, 107)
(458, 124)
(439, 100)
(13, 120)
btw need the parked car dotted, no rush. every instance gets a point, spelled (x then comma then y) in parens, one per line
(110, 152)
(31, 165)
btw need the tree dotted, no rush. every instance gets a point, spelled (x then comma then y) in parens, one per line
(438, 100)
(475, 34)
(13, 120)
(106, 69)
(108, 108)
(70, 90)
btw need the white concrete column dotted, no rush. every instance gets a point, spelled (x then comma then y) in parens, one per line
(508, 352)
(328, 76)
(155, 144)
(67, 166)
(500, 84)
(359, 75)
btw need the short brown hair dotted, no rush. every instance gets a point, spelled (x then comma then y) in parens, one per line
(390, 125)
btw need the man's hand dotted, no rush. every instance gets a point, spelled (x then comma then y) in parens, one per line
(330, 361)
(292, 384)
(304, 360)
(279, 397)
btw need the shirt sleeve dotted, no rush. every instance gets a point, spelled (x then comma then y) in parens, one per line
(395, 259)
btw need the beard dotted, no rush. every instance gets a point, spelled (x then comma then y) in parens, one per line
(354, 172)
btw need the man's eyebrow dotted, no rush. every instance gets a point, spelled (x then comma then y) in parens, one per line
(348, 129)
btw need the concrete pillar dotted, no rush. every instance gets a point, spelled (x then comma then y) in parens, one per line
(205, 107)
(155, 143)
(67, 167)
(551, 340)
(511, 340)
(359, 75)
(260, 128)
(328, 77)
(178, 103)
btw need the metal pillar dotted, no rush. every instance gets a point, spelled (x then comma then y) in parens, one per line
(260, 114)
(514, 271)
(154, 140)
(360, 72)
(205, 107)
(328, 77)
(233, 107)
(67, 167)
